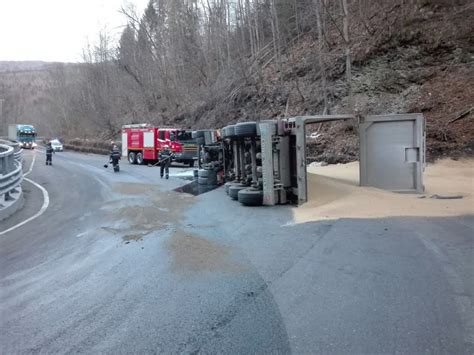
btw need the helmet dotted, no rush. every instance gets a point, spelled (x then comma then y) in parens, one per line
(167, 146)
(115, 147)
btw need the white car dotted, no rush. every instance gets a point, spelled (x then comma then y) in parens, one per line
(57, 145)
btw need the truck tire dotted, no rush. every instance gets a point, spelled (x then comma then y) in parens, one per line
(229, 131)
(234, 190)
(246, 129)
(199, 133)
(212, 180)
(233, 183)
(250, 197)
(208, 137)
(132, 158)
(224, 132)
(207, 181)
(227, 185)
(210, 175)
(139, 158)
(274, 126)
(204, 173)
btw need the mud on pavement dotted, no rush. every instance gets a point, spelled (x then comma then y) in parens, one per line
(143, 210)
(193, 253)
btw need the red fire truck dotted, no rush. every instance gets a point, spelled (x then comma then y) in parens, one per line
(142, 142)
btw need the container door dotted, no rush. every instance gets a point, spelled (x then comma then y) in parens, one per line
(392, 152)
(124, 143)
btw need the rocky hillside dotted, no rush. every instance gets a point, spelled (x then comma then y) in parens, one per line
(407, 56)
(418, 63)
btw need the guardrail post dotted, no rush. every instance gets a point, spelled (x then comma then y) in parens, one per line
(11, 162)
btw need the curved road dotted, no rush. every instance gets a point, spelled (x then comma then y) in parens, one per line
(119, 263)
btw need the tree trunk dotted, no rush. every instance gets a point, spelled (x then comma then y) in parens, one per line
(348, 53)
(322, 67)
(276, 35)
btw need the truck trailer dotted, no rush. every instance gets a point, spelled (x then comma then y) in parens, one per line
(23, 134)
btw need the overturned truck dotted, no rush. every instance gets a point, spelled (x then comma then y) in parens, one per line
(264, 163)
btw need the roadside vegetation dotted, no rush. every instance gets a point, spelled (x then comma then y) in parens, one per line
(202, 64)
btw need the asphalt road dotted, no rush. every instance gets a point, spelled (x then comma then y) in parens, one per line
(119, 264)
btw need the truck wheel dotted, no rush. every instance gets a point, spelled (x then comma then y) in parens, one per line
(229, 131)
(246, 129)
(199, 133)
(203, 173)
(139, 158)
(250, 197)
(273, 126)
(227, 185)
(210, 175)
(234, 190)
(232, 183)
(132, 158)
(212, 180)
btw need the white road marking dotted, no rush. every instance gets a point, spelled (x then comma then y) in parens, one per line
(39, 213)
(31, 166)
(43, 208)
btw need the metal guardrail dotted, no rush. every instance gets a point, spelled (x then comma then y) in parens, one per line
(11, 172)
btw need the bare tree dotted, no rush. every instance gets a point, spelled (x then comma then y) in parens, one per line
(322, 67)
(348, 53)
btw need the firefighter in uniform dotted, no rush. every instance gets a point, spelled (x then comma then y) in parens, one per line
(165, 156)
(49, 154)
(115, 156)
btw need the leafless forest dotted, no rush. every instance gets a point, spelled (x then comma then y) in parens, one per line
(206, 63)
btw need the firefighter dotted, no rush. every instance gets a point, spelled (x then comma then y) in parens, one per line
(115, 157)
(49, 154)
(165, 161)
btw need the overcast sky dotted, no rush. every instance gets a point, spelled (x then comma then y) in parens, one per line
(56, 30)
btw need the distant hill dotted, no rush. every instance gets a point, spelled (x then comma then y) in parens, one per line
(406, 56)
(14, 66)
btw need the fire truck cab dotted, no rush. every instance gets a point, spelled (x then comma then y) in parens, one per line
(142, 142)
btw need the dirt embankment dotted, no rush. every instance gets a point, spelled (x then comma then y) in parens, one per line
(406, 57)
